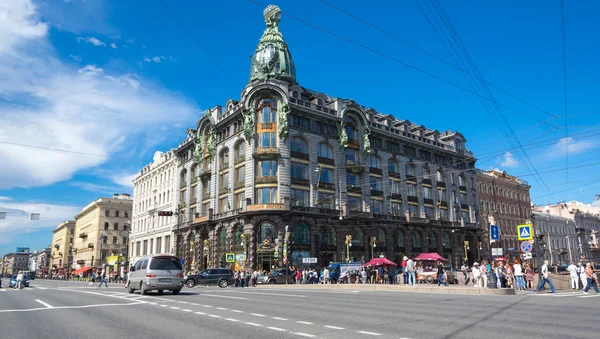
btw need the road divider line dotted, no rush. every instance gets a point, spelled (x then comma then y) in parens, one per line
(258, 315)
(231, 319)
(221, 308)
(214, 316)
(237, 311)
(304, 322)
(201, 313)
(69, 307)
(164, 305)
(368, 333)
(175, 308)
(223, 296)
(2, 290)
(183, 302)
(276, 329)
(186, 310)
(252, 324)
(278, 318)
(274, 294)
(333, 327)
(305, 334)
(207, 306)
(44, 303)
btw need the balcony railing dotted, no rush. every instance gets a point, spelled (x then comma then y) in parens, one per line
(299, 155)
(269, 179)
(206, 196)
(240, 158)
(224, 190)
(300, 181)
(440, 184)
(411, 178)
(428, 201)
(239, 185)
(327, 161)
(396, 196)
(326, 186)
(194, 179)
(228, 213)
(353, 142)
(376, 193)
(205, 173)
(224, 167)
(464, 206)
(375, 170)
(315, 210)
(83, 235)
(266, 153)
(353, 167)
(194, 201)
(426, 181)
(354, 189)
(183, 184)
(265, 207)
(462, 188)
(359, 214)
(412, 198)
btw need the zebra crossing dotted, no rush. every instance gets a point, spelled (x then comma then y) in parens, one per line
(574, 294)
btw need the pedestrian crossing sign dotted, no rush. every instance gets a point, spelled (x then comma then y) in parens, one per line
(229, 257)
(524, 232)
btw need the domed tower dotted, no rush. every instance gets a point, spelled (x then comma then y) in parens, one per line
(272, 58)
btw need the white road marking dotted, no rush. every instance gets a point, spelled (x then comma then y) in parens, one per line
(154, 304)
(221, 308)
(231, 319)
(194, 304)
(277, 318)
(2, 290)
(42, 288)
(304, 322)
(44, 303)
(164, 305)
(275, 294)
(258, 315)
(334, 327)
(68, 307)
(201, 313)
(276, 329)
(186, 310)
(589, 296)
(215, 316)
(223, 296)
(369, 333)
(183, 302)
(175, 308)
(252, 324)
(237, 311)
(207, 306)
(305, 334)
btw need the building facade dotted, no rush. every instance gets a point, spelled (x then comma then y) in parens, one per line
(15, 262)
(347, 182)
(101, 231)
(153, 191)
(39, 261)
(504, 201)
(61, 255)
(560, 238)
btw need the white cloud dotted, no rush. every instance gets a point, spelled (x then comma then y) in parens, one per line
(573, 146)
(91, 40)
(88, 186)
(75, 57)
(508, 160)
(125, 180)
(129, 41)
(113, 45)
(156, 59)
(5, 198)
(18, 217)
(89, 110)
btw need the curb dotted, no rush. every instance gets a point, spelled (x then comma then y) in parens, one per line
(396, 288)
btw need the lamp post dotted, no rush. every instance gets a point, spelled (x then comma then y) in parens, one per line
(373, 242)
(348, 245)
(466, 246)
(569, 247)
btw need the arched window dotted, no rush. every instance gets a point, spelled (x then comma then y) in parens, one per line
(267, 110)
(410, 170)
(240, 151)
(446, 240)
(183, 177)
(461, 180)
(380, 235)
(300, 235)
(432, 242)
(392, 166)
(195, 171)
(357, 238)
(266, 231)
(439, 176)
(374, 161)
(400, 239)
(351, 128)
(324, 151)
(327, 236)
(224, 159)
(426, 173)
(416, 239)
(298, 145)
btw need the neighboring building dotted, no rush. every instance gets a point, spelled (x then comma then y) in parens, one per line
(587, 225)
(560, 237)
(15, 262)
(504, 201)
(101, 230)
(153, 191)
(39, 261)
(326, 167)
(62, 247)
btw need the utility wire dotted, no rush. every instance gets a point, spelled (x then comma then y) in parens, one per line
(415, 68)
(454, 65)
(198, 43)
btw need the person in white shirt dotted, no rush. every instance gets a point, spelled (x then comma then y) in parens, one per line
(582, 276)
(326, 275)
(518, 269)
(19, 281)
(545, 278)
(574, 276)
(476, 275)
(410, 269)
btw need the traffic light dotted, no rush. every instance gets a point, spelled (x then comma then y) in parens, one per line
(165, 213)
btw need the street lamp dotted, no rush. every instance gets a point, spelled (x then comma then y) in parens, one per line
(373, 242)
(348, 245)
(466, 246)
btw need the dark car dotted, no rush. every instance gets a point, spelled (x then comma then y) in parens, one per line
(13, 281)
(277, 276)
(221, 277)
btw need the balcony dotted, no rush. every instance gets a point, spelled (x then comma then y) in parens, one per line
(194, 201)
(376, 193)
(440, 184)
(203, 217)
(224, 190)
(266, 125)
(265, 207)
(224, 167)
(396, 196)
(412, 198)
(205, 173)
(354, 167)
(411, 178)
(354, 189)
(389, 217)
(194, 180)
(359, 214)
(300, 181)
(375, 170)
(206, 196)
(315, 210)
(426, 181)
(266, 153)
(444, 203)
(83, 235)
(240, 159)
(326, 186)
(227, 214)
(353, 142)
(464, 207)
(427, 201)
(326, 161)
(394, 175)
(183, 184)
(269, 179)
(462, 188)
(239, 185)
(299, 155)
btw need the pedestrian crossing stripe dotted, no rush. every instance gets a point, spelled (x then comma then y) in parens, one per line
(2, 290)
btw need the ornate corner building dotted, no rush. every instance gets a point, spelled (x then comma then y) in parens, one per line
(348, 182)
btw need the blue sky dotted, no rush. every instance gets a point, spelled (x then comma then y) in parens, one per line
(118, 80)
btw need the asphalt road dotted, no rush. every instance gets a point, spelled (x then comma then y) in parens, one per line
(57, 309)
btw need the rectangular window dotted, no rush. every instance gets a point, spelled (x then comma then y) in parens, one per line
(267, 139)
(354, 204)
(145, 247)
(115, 240)
(414, 211)
(107, 213)
(238, 200)
(206, 186)
(126, 214)
(427, 193)
(325, 200)
(375, 184)
(396, 209)
(444, 214)
(223, 205)
(326, 176)
(224, 181)
(240, 175)
(411, 189)
(299, 171)
(106, 225)
(159, 245)
(377, 207)
(105, 239)
(467, 216)
(167, 243)
(125, 240)
(463, 198)
(352, 179)
(429, 213)
(266, 168)
(137, 248)
(267, 195)
(205, 208)
(117, 214)
(351, 155)
(441, 195)
(116, 226)
(394, 187)
(300, 197)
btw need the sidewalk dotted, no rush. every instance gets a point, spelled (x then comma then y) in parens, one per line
(422, 288)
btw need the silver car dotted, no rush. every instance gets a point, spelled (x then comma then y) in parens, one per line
(156, 273)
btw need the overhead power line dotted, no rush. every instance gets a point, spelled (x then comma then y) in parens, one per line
(415, 68)
(454, 65)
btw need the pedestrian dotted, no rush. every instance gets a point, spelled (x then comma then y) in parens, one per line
(574, 276)
(410, 270)
(476, 275)
(103, 279)
(19, 280)
(326, 275)
(592, 279)
(518, 271)
(484, 273)
(582, 275)
(380, 275)
(242, 279)
(500, 272)
(528, 276)
(404, 272)
(298, 276)
(236, 279)
(465, 270)
(545, 278)
(441, 274)
(509, 277)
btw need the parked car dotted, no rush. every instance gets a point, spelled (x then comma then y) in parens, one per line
(277, 276)
(156, 273)
(221, 277)
(13, 281)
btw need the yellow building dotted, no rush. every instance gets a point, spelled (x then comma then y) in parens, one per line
(62, 242)
(101, 231)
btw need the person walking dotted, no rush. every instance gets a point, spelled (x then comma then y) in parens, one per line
(465, 270)
(518, 272)
(574, 276)
(592, 280)
(410, 270)
(500, 273)
(440, 274)
(19, 281)
(528, 277)
(582, 275)
(545, 278)
(476, 274)
(484, 273)
(103, 279)
(326, 275)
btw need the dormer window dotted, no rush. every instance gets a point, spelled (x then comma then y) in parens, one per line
(320, 102)
(295, 94)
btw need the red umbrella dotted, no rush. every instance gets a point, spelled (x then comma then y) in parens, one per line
(430, 256)
(380, 262)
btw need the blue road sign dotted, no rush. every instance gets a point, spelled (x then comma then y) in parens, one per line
(494, 232)
(524, 232)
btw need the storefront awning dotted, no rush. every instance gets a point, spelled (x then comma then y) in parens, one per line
(81, 270)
